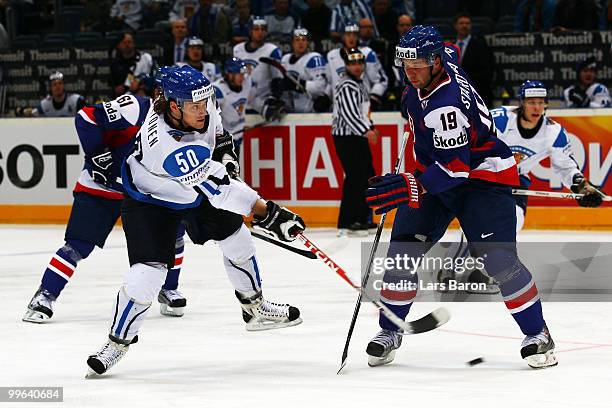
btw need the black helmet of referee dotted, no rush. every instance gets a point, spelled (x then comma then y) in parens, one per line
(352, 56)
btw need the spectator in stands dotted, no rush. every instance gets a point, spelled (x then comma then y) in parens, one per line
(280, 23)
(385, 19)
(347, 11)
(404, 7)
(316, 20)
(126, 64)
(367, 39)
(127, 14)
(175, 51)
(396, 74)
(194, 58)
(184, 9)
(475, 57)
(96, 15)
(587, 93)
(57, 103)
(210, 23)
(240, 24)
(156, 12)
(535, 15)
(576, 15)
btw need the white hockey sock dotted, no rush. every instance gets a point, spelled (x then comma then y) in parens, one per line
(141, 284)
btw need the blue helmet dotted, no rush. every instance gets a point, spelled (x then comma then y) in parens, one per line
(351, 27)
(146, 82)
(589, 62)
(194, 41)
(533, 89)
(160, 74)
(185, 84)
(419, 42)
(235, 66)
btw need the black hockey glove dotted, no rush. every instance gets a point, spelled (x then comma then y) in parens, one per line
(592, 196)
(273, 110)
(289, 85)
(375, 102)
(578, 97)
(277, 87)
(102, 170)
(279, 223)
(321, 103)
(225, 153)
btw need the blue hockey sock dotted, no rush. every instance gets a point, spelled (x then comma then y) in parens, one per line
(63, 264)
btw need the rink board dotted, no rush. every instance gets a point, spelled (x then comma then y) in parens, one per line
(293, 162)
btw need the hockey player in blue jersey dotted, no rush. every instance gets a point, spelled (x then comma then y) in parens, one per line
(182, 169)
(462, 170)
(106, 132)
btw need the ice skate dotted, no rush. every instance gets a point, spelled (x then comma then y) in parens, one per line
(171, 302)
(260, 314)
(381, 349)
(107, 357)
(539, 350)
(40, 307)
(357, 229)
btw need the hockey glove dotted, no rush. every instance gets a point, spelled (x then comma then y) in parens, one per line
(578, 97)
(289, 85)
(392, 190)
(592, 196)
(279, 222)
(102, 168)
(225, 153)
(274, 109)
(375, 102)
(322, 104)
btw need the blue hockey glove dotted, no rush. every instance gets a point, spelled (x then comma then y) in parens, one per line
(392, 190)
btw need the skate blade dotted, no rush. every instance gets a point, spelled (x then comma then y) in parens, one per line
(261, 326)
(32, 316)
(378, 361)
(548, 359)
(171, 311)
(358, 233)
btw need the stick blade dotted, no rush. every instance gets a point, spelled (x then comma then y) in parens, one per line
(430, 321)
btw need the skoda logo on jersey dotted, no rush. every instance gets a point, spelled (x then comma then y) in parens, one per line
(405, 53)
(184, 160)
(450, 141)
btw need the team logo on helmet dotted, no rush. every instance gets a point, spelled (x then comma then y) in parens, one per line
(405, 53)
(202, 93)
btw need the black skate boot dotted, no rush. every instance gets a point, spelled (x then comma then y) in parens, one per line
(40, 307)
(539, 350)
(381, 349)
(171, 302)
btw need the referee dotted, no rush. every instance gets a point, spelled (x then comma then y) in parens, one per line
(351, 129)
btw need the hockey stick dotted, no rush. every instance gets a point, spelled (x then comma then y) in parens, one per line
(381, 225)
(255, 126)
(553, 194)
(426, 323)
(307, 254)
(276, 64)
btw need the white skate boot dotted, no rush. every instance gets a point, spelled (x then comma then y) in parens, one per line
(107, 357)
(260, 314)
(381, 349)
(539, 350)
(40, 307)
(171, 302)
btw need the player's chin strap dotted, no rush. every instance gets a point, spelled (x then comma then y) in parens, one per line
(432, 76)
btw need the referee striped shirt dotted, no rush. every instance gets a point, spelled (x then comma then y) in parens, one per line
(351, 107)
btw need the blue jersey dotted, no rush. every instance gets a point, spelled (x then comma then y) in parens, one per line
(109, 126)
(455, 138)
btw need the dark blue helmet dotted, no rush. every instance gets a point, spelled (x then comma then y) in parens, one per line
(194, 41)
(419, 42)
(146, 82)
(351, 27)
(589, 62)
(160, 74)
(185, 84)
(235, 66)
(533, 89)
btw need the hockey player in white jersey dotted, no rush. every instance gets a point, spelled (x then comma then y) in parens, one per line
(233, 92)
(262, 74)
(194, 56)
(180, 170)
(375, 78)
(309, 71)
(58, 103)
(587, 92)
(533, 137)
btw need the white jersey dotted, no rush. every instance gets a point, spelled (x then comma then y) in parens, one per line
(310, 67)
(261, 74)
(209, 70)
(374, 78)
(71, 105)
(233, 105)
(551, 141)
(598, 94)
(173, 169)
(144, 65)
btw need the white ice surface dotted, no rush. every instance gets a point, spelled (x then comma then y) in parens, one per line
(207, 359)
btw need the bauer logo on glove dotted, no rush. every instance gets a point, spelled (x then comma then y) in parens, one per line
(392, 190)
(279, 222)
